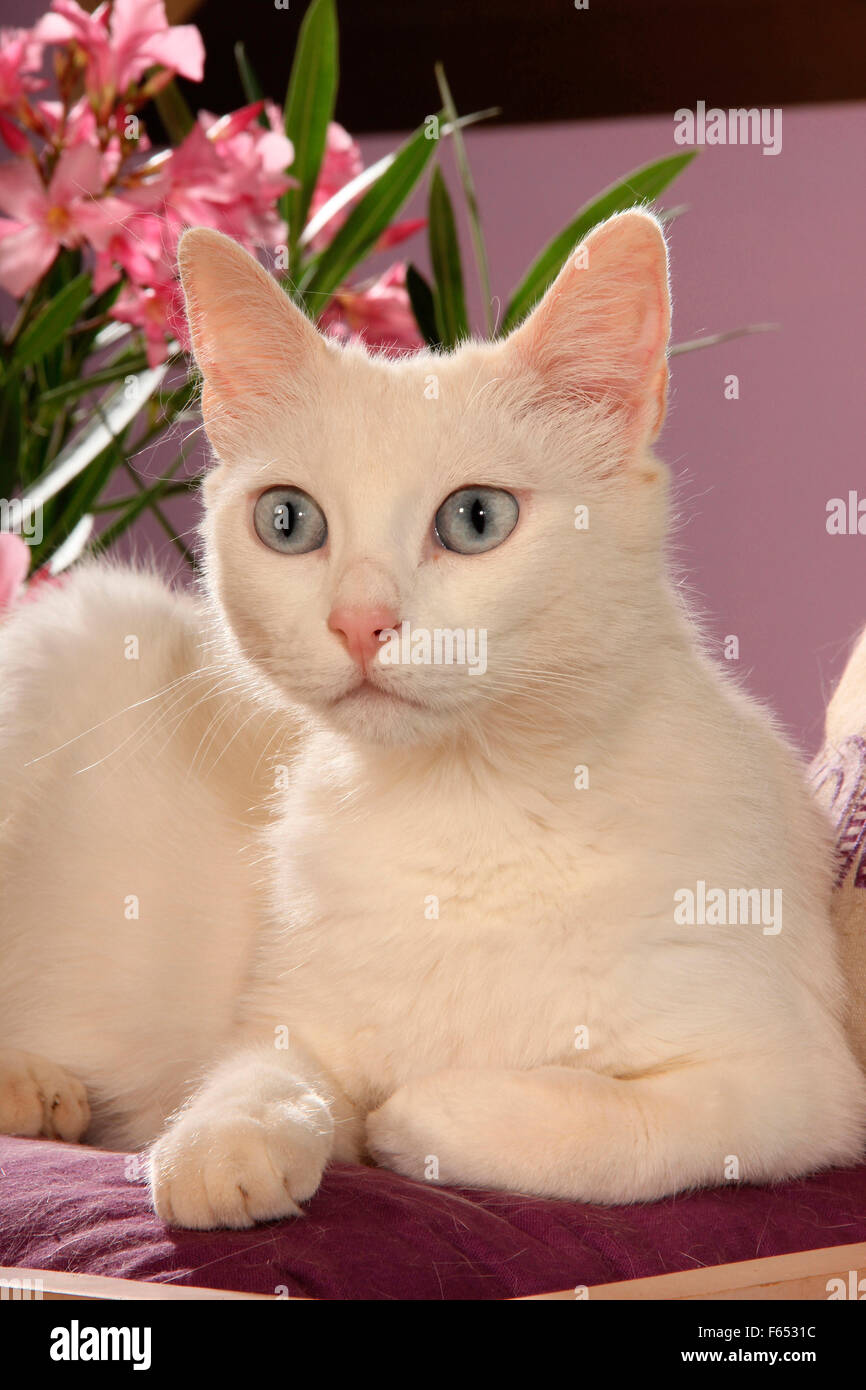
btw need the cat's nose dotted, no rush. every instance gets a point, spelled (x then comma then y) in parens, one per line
(360, 629)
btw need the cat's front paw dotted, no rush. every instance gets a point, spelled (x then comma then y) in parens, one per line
(40, 1098)
(234, 1168)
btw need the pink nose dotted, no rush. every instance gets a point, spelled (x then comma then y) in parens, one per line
(360, 628)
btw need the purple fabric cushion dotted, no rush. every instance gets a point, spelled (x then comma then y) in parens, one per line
(371, 1234)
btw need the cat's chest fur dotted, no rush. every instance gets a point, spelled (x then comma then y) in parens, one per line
(421, 927)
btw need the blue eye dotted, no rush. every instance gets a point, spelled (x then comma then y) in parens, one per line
(288, 520)
(474, 519)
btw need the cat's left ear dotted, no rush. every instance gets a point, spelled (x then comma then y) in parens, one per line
(600, 333)
(254, 347)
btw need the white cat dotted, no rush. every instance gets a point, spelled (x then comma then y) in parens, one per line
(324, 904)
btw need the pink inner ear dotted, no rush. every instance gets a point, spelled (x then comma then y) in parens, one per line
(247, 336)
(600, 334)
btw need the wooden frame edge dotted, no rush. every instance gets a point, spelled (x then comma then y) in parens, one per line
(803, 1275)
(27, 1284)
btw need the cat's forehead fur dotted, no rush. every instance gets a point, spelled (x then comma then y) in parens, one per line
(419, 423)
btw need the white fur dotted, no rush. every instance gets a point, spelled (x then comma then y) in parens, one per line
(288, 980)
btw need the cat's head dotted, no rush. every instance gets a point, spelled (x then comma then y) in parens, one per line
(497, 507)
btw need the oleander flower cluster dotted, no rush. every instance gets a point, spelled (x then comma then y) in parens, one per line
(81, 172)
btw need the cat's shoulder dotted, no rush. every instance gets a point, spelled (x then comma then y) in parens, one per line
(94, 602)
(102, 637)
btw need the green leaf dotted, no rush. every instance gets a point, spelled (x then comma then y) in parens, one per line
(448, 294)
(367, 177)
(641, 186)
(172, 408)
(148, 498)
(119, 504)
(72, 390)
(249, 81)
(81, 470)
(423, 305)
(367, 221)
(174, 112)
(72, 546)
(120, 411)
(12, 417)
(51, 325)
(309, 108)
(85, 341)
(470, 198)
(714, 339)
(75, 501)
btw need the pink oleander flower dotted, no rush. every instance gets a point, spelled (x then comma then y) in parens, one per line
(341, 163)
(79, 126)
(14, 565)
(228, 174)
(253, 160)
(128, 241)
(120, 41)
(75, 126)
(20, 60)
(157, 311)
(379, 314)
(400, 231)
(13, 138)
(39, 581)
(79, 179)
(266, 150)
(40, 220)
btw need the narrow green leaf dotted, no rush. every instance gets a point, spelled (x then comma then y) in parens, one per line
(448, 293)
(641, 186)
(12, 417)
(86, 340)
(361, 182)
(423, 305)
(367, 221)
(471, 199)
(83, 469)
(714, 339)
(136, 507)
(148, 499)
(119, 504)
(121, 410)
(74, 502)
(174, 112)
(249, 81)
(52, 324)
(89, 484)
(309, 109)
(72, 390)
(172, 408)
(68, 552)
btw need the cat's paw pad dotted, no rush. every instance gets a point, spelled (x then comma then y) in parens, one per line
(39, 1099)
(234, 1169)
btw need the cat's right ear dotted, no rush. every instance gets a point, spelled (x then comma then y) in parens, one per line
(253, 346)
